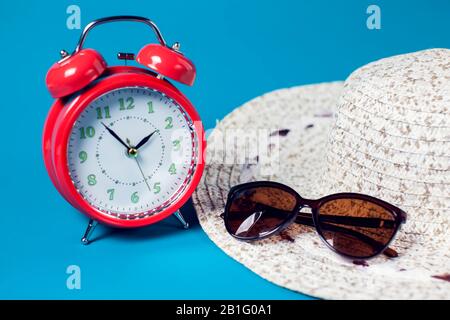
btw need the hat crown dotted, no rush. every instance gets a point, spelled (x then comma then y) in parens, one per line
(391, 135)
(416, 81)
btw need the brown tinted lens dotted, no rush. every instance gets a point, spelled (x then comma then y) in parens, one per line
(356, 228)
(255, 212)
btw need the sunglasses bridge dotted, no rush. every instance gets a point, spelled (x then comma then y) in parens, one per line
(305, 215)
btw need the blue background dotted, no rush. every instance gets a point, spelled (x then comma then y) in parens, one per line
(242, 49)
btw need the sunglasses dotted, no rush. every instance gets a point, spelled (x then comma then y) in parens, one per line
(353, 225)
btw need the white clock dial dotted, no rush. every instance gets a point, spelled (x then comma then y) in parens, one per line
(132, 152)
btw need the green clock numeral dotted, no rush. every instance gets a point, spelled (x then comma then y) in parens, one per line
(83, 156)
(88, 132)
(169, 124)
(129, 105)
(176, 145)
(92, 180)
(100, 113)
(111, 193)
(134, 197)
(157, 187)
(150, 107)
(172, 169)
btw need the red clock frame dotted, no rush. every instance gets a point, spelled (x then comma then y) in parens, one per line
(64, 113)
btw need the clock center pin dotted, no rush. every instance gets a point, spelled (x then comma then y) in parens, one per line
(132, 152)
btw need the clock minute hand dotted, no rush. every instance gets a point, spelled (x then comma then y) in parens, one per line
(145, 140)
(115, 136)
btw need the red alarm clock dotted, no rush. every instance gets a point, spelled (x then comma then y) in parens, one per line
(122, 144)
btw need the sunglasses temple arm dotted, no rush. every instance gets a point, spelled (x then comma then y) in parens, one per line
(372, 242)
(356, 221)
(307, 220)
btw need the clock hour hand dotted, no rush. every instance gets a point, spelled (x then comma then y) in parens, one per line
(145, 140)
(115, 136)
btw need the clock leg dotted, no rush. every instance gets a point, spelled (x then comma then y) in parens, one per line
(87, 234)
(181, 219)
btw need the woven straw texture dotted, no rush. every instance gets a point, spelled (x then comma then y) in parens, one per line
(386, 133)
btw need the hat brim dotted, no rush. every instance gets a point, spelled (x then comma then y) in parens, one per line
(302, 117)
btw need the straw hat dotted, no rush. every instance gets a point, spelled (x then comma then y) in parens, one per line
(384, 132)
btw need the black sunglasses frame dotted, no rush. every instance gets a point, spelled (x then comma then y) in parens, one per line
(398, 214)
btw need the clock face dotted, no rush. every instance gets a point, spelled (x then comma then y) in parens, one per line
(131, 152)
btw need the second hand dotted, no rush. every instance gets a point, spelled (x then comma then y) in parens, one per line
(143, 175)
(135, 155)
